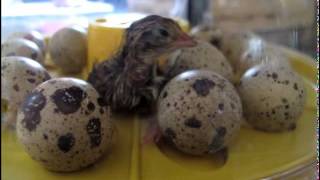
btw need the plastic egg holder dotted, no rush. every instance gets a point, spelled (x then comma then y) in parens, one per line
(105, 37)
(253, 155)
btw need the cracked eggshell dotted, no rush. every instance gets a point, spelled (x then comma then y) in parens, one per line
(19, 76)
(69, 46)
(64, 125)
(199, 112)
(33, 36)
(273, 97)
(203, 56)
(22, 47)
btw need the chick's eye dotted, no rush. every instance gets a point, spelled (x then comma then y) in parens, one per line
(164, 32)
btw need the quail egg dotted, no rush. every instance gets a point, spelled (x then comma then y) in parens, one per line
(19, 76)
(68, 49)
(64, 125)
(199, 112)
(233, 45)
(202, 56)
(33, 36)
(243, 50)
(22, 47)
(273, 97)
(246, 50)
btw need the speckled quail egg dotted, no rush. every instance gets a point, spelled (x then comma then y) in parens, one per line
(254, 52)
(243, 50)
(202, 56)
(22, 47)
(68, 49)
(33, 36)
(233, 45)
(64, 125)
(273, 97)
(19, 76)
(199, 112)
(239, 47)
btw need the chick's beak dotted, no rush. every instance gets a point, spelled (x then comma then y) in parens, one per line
(184, 40)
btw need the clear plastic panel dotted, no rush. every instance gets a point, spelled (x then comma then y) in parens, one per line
(287, 22)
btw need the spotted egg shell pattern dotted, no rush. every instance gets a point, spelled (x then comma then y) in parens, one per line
(273, 97)
(64, 125)
(202, 56)
(246, 50)
(243, 50)
(199, 112)
(33, 36)
(233, 45)
(22, 47)
(19, 76)
(68, 49)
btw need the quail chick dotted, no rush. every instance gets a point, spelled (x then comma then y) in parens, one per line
(128, 81)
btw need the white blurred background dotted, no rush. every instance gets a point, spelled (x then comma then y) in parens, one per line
(288, 22)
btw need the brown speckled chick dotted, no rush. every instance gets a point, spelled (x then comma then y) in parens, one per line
(128, 80)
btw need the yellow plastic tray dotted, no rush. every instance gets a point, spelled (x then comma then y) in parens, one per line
(253, 155)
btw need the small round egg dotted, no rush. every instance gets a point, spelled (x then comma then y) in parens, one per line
(243, 50)
(19, 76)
(22, 47)
(64, 125)
(238, 48)
(68, 49)
(199, 112)
(273, 97)
(255, 52)
(233, 45)
(202, 56)
(33, 36)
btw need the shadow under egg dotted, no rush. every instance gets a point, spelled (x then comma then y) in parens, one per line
(206, 162)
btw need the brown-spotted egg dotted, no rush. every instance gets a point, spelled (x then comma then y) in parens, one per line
(19, 76)
(273, 97)
(64, 125)
(33, 36)
(22, 47)
(199, 112)
(203, 56)
(243, 50)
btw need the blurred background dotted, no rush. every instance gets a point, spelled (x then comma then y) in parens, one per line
(288, 22)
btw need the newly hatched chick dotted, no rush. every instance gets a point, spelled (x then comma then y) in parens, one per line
(129, 79)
